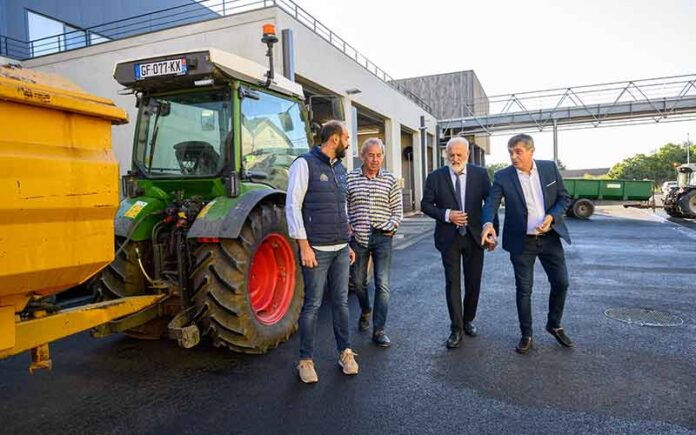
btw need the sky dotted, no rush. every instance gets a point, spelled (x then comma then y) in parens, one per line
(516, 46)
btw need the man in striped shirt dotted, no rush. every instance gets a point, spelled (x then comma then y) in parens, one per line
(374, 213)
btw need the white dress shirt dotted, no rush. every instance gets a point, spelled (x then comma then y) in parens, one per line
(462, 181)
(533, 197)
(297, 189)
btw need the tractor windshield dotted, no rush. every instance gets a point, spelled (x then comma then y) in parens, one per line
(184, 134)
(274, 133)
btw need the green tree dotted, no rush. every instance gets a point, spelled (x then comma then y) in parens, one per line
(658, 166)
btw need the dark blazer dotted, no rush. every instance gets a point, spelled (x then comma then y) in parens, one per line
(439, 196)
(506, 184)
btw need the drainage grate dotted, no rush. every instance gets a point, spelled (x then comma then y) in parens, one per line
(643, 317)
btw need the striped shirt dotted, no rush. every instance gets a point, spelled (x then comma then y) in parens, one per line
(373, 203)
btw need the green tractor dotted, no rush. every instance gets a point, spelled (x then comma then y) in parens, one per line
(680, 201)
(203, 217)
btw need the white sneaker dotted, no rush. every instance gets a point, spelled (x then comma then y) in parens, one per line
(347, 361)
(306, 370)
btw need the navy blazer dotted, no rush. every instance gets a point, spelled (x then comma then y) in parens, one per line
(439, 196)
(506, 184)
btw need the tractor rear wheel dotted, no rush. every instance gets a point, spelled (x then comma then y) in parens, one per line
(687, 204)
(123, 278)
(249, 289)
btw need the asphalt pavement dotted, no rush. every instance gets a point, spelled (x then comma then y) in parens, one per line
(621, 378)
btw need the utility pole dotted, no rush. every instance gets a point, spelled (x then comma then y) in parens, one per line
(688, 149)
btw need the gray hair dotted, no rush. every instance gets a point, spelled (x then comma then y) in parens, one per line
(455, 140)
(525, 139)
(369, 142)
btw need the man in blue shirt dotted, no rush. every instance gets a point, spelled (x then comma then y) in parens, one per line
(535, 202)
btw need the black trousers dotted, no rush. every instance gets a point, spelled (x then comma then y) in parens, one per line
(467, 253)
(549, 250)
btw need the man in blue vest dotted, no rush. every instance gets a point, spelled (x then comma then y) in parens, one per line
(535, 201)
(316, 214)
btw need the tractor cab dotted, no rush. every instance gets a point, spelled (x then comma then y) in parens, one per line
(686, 175)
(211, 114)
(681, 201)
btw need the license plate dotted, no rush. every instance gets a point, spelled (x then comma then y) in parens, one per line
(162, 68)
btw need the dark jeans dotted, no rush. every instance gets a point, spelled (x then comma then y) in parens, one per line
(379, 247)
(463, 251)
(550, 252)
(333, 267)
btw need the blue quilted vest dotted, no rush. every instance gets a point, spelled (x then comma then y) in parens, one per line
(324, 206)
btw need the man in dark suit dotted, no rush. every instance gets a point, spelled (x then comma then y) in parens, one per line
(453, 196)
(535, 201)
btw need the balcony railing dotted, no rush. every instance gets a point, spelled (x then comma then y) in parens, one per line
(188, 14)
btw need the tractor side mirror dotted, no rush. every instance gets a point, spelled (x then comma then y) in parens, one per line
(324, 108)
(337, 108)
(165, 108)
(286, 121)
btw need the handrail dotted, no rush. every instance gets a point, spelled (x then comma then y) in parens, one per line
(187, 14)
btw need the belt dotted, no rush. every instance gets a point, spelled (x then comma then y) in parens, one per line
(381, 231)
(535, 236)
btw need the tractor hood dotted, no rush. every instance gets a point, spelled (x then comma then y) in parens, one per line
(196, 68)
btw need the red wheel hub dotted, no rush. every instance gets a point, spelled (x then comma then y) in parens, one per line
(272, 279)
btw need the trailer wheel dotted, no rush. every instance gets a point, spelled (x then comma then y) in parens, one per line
(583, 208)
(569, 210)
(687, 204)
(248, 290)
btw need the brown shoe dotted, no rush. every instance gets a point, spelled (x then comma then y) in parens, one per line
(305, 368)
(347, 361)
(525, 345)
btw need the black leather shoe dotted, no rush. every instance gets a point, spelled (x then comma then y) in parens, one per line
(364, 322)
(381, 339)
(525, 345)
(470, 329)
(454, 340)
(560, 336)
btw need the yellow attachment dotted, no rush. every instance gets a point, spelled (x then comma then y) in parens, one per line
(34, 333)
(58, 183)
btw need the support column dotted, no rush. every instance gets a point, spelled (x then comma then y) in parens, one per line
(418, 179)
(424, 148)
(392, 141)
(555, 141)
(351, 123)
(436, 152)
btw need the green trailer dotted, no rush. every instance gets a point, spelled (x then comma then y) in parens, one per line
(586, 192)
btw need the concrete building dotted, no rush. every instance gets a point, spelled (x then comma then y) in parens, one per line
(454, 95)
(324, 64)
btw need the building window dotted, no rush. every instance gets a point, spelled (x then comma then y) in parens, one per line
(48, 35)
(45, 34)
